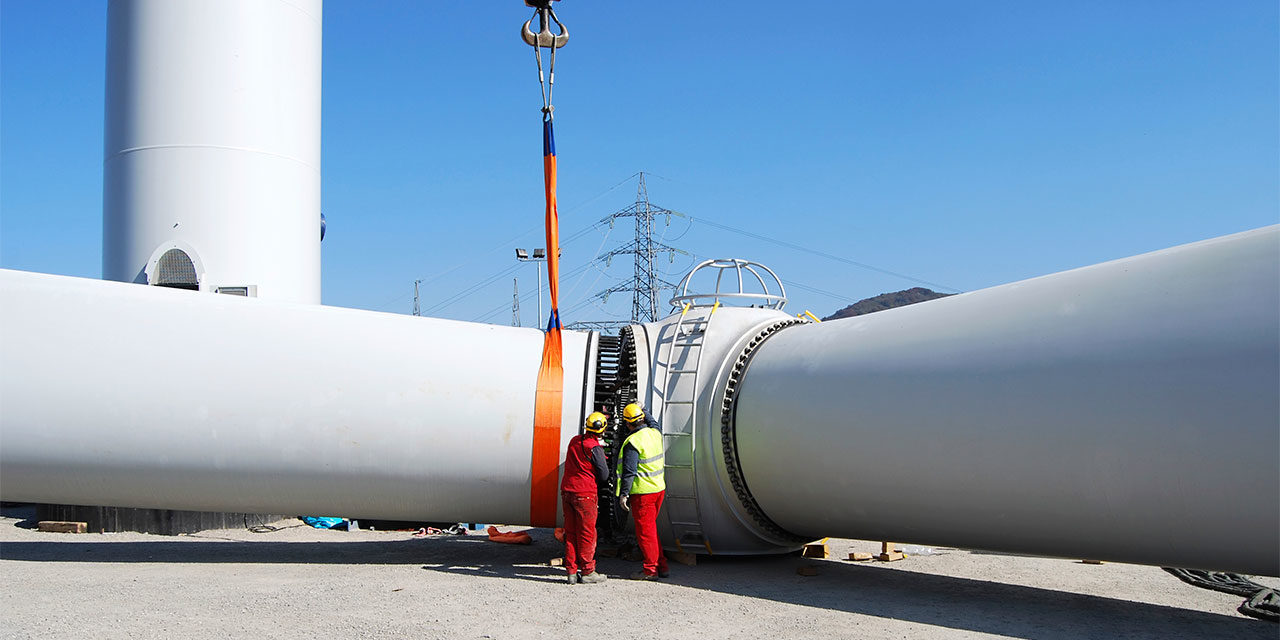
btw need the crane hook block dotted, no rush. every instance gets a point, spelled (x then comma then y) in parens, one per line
(544, 37)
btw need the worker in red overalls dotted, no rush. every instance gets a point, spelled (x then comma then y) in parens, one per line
(584, 472)
(641, 487)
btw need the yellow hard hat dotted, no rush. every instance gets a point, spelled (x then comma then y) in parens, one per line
(632, 413)
(596, 423)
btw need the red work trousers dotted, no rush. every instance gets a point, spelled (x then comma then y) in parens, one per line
(580, 532)
(644, 508)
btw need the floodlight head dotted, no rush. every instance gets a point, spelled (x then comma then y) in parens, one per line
(539, 253)
(521, 254)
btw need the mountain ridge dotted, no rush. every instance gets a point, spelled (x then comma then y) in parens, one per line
(885, 301)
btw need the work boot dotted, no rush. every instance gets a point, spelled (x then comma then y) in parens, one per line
(640, 575)
(663, 573)
(574, 579)
(593, 578)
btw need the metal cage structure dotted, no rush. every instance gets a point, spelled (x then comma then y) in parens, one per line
(770, 294)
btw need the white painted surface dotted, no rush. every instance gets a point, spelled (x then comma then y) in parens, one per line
(213, 142)
(148, 397)
(726, 527)
(1125, 411)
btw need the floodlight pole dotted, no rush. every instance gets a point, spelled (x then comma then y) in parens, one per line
(524, 256)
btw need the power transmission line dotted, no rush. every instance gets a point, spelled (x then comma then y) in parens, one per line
(645, 283)
(815, 252)
(505, 243)
(459, 296)
(526, 297)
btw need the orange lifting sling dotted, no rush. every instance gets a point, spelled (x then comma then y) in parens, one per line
(549, 400)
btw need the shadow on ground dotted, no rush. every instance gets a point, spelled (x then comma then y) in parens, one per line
(958, 603)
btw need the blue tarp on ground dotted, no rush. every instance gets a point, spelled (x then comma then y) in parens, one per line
(321, 522)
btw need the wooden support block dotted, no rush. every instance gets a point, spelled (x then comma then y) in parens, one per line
(1090, 562)
(858, 556)
(807, 570)
(888, 553)
(556, 562)
(683, 557)
(815, 550)
(62, 526)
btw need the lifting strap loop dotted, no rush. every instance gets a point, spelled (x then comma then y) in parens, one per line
(549, 399)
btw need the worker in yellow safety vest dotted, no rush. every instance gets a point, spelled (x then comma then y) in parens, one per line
(641, 487)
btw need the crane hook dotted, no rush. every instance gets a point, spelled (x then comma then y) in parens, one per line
(544, 37)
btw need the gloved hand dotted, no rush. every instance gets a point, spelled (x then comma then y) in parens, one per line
(622, 502)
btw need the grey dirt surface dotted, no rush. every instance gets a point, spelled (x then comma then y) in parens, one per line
(299, 582)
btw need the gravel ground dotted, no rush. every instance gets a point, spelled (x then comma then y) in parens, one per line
(301, 582)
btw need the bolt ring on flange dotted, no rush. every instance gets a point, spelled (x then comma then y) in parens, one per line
(729, 438)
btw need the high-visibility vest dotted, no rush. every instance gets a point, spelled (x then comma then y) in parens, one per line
(648, 441)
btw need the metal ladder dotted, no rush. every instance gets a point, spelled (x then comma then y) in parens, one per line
(684, 355)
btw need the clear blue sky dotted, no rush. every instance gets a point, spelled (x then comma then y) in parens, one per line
(967, 144)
